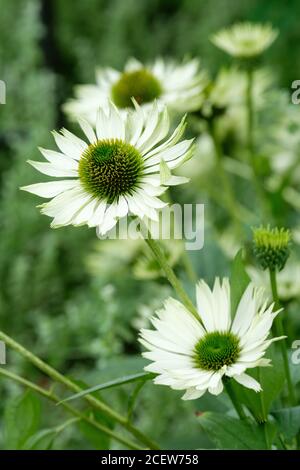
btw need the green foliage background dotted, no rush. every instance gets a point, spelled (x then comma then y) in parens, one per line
(49, 299)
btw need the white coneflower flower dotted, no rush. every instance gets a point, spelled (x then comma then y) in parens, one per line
(123, 167)
(179, 86)
(245, 40)
(195, 357)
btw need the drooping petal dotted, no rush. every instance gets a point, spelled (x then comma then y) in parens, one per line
(192, 394)
(248, 382)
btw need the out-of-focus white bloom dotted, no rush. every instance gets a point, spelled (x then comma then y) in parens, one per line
(245, 40)
(178, 85)
(148, 268)
(195, 355)
(123, 167)
(288, 280)
(202, 161)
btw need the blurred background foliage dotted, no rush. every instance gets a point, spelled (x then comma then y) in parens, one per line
(81, 319)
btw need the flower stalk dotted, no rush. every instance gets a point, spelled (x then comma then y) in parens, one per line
(250, 141)
(50, 395)
(279, 331)
(170, 274)
(236, 404)
(230, 199)
(92, 401)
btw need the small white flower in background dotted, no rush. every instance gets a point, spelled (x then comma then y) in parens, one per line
(177, 85)
(122, 169)
(195, 357)
(245, 40)
(288, 280)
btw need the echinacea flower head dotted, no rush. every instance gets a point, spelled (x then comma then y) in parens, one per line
(121, 168)
(197, 355)
(245, 40)
(179, 86)
(271, 247)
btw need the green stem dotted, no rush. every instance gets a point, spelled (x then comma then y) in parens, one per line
(185, 259)
(250, 113)
(251, 146)
(170, 275)
(229, 196)
(279, 331)
(264, 424)
(50, 395)
(58, 377)
(231, 393)
(189, 268)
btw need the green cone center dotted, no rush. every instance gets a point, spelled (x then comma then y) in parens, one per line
(139, 84)
(110, 168)
(216, 350)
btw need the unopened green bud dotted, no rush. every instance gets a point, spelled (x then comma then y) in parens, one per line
(271, 247)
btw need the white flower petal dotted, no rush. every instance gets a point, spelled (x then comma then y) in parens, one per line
(205, 306)
(247, 381)
(98, 215)
(192, 394)
(67, 146)
(51, 170)
(86, 213)
(50, 189)
(88, 130)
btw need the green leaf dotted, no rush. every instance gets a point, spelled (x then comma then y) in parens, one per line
(42, 440)
(288, 420)
(21, 420)
(272, 380)
(231, 433)
(111, 384)
(133, 398)
(239, 280)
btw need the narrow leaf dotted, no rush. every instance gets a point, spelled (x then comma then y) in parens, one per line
(111, 384)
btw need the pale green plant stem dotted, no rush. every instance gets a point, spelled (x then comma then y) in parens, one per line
(50, 395)
(185, 259)
(229, 196)
(237, 405)
(279, 331)
(93, 402)
(251, 147)
(188, 266)
(170, 275)
(264, 413)
(244, 215)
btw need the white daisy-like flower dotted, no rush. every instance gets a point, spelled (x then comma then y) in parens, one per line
(179, 86)
(197, 355)
(123, 167)
(245, 40)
